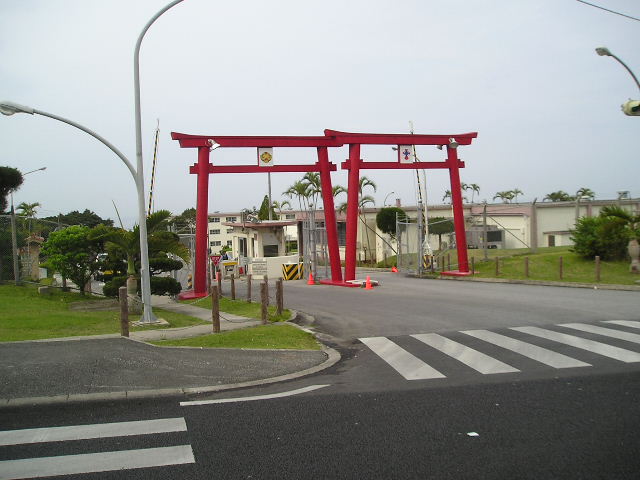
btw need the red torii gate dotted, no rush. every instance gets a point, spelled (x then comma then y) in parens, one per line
(354, 164)
(203, 168)
(332, 138)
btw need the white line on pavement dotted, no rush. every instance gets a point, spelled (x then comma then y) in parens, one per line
(406, 364)
(83, 432)
(604, 349)
(539, 354)
(95, 462)
(470, 357)
(624, 323)
(606, 332)
(310, 388)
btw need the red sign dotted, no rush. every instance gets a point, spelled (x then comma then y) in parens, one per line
(215, 259)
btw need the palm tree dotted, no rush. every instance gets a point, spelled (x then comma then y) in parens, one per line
(280, 205)
(516, 192)
(474, 189)
(314, 189)
(585, 192)
(631, 223)
(28, 210)
(559, 196)
(506, 196)
(300, 190)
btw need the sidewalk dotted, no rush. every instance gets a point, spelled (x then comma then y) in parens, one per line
(110, 367)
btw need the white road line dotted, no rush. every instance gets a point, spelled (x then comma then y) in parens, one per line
(470, 357)
(82, 432)
(606, 332)
(624, 323)
(95, 462)
(610, 351)
(539, 354)
(310, 388)
(407, 365)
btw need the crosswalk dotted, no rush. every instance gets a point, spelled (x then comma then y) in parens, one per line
(93, 462)
(481, 350)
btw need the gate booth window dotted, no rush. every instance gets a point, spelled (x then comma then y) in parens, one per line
(265, 144)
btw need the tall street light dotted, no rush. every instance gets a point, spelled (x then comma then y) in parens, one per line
(9, 108)
(14, 239)
(139, 177)
(632, 107)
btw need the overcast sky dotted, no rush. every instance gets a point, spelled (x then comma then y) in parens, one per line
(522, 73)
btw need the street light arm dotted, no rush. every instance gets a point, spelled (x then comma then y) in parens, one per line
(628, 70)
(93, 134)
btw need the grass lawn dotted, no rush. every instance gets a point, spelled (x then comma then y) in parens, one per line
(264, 336)
(242, 308)
(26, 315)
(545, 266)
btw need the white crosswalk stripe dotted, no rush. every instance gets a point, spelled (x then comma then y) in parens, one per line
(411, 367)
(604, 349)
(539, 354)
(407, 365)
(94, 462)
(624, 323)
(607, 332)
(470, 357)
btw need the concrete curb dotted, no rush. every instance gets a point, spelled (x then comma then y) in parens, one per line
(333, 357)
(594, 286)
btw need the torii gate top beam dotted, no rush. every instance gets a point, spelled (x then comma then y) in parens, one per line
(194, 141)
(398, 138)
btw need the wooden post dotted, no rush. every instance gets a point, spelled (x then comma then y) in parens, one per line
(526, 267)
(442, 263)
(219, 277)
(249, 287)
(497, 266)
(560, 267)
(215, 309)
(124, 312)
(264, 297)
(279, 296)
(597, 268)
(473, 265)
(449, 261)
(233, 287)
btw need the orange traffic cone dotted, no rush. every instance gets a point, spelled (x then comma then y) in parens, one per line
(311, 280)
(394, 269)
(368, 285)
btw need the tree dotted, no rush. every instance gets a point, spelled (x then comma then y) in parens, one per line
(585, 192)
(631, 224)
(516, 192)
(447, 195)
(74, 252)
(263, 213)
(474, 189)
(280, 205)
(506, 196)
(28, 210)
(600, 236)
(386, 219)
(559, 196)
(87, 218)
(440, 226)
(186, 221)
(125, 244)
(300, 190)
(10, 180)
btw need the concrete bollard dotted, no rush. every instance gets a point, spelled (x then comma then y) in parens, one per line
(560, 268)
(597, 268)
(124, 311)
(233, 287)
(249, 287)
(526, 267)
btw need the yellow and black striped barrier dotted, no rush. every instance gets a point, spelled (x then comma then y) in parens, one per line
(292, 271)
(426, 261)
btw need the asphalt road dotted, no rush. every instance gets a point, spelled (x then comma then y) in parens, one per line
(567, 410)
(563, 429)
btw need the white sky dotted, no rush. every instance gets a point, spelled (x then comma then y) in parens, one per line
(522, 73)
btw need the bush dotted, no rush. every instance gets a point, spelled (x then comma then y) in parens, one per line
(165, 286)
(605, 237)
(111, 287)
